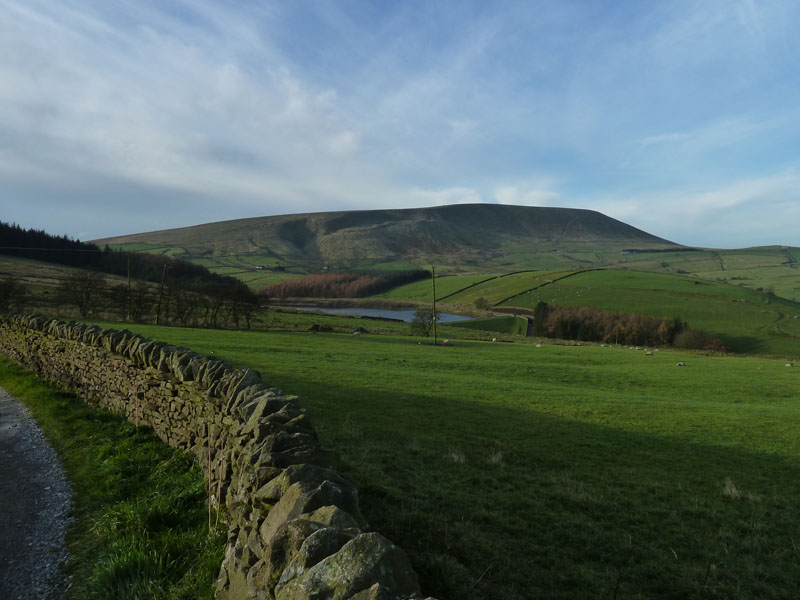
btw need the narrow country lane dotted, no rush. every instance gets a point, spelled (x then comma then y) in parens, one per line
(34, 502)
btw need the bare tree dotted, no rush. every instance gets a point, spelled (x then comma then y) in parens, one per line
(12, 294)
(83, 290)
(422, 322)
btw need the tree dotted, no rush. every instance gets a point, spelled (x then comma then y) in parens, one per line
(540, 314)
(482, 303)
(422, 322)
(82, 289)
(12, 294)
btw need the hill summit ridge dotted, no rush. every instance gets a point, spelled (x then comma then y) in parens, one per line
(478, 234)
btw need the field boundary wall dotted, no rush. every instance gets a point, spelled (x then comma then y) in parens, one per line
(295, 529)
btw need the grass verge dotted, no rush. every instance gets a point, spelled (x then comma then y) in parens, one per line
(140, 528)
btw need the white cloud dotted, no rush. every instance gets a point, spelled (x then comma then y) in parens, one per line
(758, 211)
(420, 197)
(718, 134)
(539, 196)
(163, 110)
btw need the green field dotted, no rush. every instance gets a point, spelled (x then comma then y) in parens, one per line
(499, 289)
(746, 320)
(510, 471)
(510, 325)
(422, 291)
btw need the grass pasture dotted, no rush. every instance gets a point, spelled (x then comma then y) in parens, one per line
(422, 291)
(747, 321)
(511, 325)
(509, 471)
(500, 288)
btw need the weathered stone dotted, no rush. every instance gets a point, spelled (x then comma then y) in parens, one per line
(319, 545)
(284, 545)
(332, 516)
(309, 475)
(303, 497)
(362, 562)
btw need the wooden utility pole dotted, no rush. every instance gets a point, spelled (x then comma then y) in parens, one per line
(433, 280)
(128, 299)
(161, 293)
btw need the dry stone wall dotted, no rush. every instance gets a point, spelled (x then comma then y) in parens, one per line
(295, 527)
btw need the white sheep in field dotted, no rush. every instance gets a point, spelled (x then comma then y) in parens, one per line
(649, 353)
(681, 364)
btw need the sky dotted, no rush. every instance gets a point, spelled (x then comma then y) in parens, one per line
(679, 117)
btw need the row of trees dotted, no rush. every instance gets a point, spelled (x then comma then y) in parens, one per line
(592, 324)
(342, 285)
(197, 303)
(89, 294)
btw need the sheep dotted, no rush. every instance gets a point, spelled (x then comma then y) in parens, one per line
(681, 364)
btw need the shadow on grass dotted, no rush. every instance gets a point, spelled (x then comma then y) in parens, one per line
(498, 502)
(742, 344)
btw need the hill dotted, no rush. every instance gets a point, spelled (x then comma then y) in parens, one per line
(476, 236)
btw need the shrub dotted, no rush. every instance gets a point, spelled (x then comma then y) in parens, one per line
(482, 303)
(697, 339)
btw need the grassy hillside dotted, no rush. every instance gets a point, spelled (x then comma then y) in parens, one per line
(482, 236)
(746, 320)
(509, 471)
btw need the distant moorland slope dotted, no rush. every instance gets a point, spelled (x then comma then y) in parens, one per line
(480, 235)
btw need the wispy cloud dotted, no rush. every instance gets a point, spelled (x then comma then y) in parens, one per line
(746, 212)
(528, 196)
(718, 134)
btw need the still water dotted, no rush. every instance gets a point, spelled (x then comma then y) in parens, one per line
(385, 313)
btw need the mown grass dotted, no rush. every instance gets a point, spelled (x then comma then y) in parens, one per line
(509, 471)
(747, 321)
(141, 524)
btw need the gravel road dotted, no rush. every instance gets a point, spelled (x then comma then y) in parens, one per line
(34, 504)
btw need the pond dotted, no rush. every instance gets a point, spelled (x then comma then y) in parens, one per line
(384, 313)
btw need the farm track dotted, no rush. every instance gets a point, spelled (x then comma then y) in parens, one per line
(35, 497)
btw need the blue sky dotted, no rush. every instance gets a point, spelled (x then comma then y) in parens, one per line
(679, 117)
